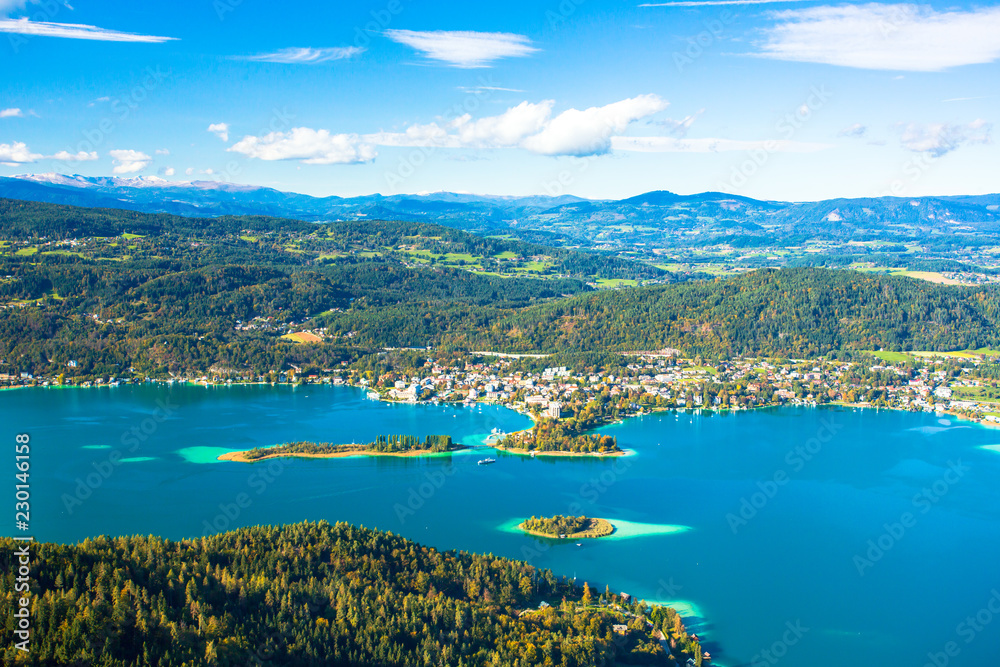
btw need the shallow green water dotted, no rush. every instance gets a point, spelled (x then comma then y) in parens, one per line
(756, 522)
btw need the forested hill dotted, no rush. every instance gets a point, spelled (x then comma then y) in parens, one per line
(304, 242)
(119, 293)
(789, 312)
(317, 594)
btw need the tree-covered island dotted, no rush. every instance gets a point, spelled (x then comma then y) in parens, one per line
(551, 436)
(567, 527)
(384, 445)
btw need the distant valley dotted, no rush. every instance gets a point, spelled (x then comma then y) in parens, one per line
(711, 232)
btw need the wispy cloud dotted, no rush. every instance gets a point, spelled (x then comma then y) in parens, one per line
(941, 138)
(221, 130)
(887, 37)
(129, 162)
(488, 89)
(82, 156)
(679, 128)
(11, 113)
(855, 130)
(967, 99)
(712, 3)
(75, 31)
(710, 145)
(464, 48)
(307, 56)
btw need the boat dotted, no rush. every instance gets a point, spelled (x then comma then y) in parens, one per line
(486, 461)
(579, 544)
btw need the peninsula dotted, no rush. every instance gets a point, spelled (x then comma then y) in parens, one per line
(567, 527)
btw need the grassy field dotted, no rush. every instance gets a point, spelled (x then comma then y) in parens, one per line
(62, 252)
(981, 394)
(699, 369)
(27, 252)
(959, 354)
(608, 283)
(929, 276)
(303, 337)
(897, 357)
(892, 357)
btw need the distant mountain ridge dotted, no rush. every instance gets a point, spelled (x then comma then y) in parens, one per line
(653, 219)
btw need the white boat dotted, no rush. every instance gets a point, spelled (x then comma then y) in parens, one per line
(486, 461)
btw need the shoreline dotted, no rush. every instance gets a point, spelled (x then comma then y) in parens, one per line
(240, 456)
(595, 455)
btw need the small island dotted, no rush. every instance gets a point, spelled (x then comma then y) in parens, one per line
(556, 438)
(567, 527)
(384, 445)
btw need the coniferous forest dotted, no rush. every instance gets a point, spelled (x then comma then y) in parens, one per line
(320, 594)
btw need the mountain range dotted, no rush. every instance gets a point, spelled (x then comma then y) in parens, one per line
(647, 222)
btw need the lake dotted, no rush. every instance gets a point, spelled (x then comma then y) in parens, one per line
(800, 537)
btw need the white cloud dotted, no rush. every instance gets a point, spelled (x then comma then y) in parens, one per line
(940, 138)
(464, 48)
(307, 56)
(528, 125)
(889, 37)
(82, 156)
(11, 113)
(75, 31)
(709, 145)
(855, 130)
(221, 130)
(189, 171)
(129, 162)
(162, 151)
(17, 153)
(308, 145)
(589, 132)
(167, 171)
(508, 129)
(531, 126)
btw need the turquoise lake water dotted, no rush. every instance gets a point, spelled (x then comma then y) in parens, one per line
(800, 537)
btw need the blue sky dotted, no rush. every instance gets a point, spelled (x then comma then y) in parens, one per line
(603, 99)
